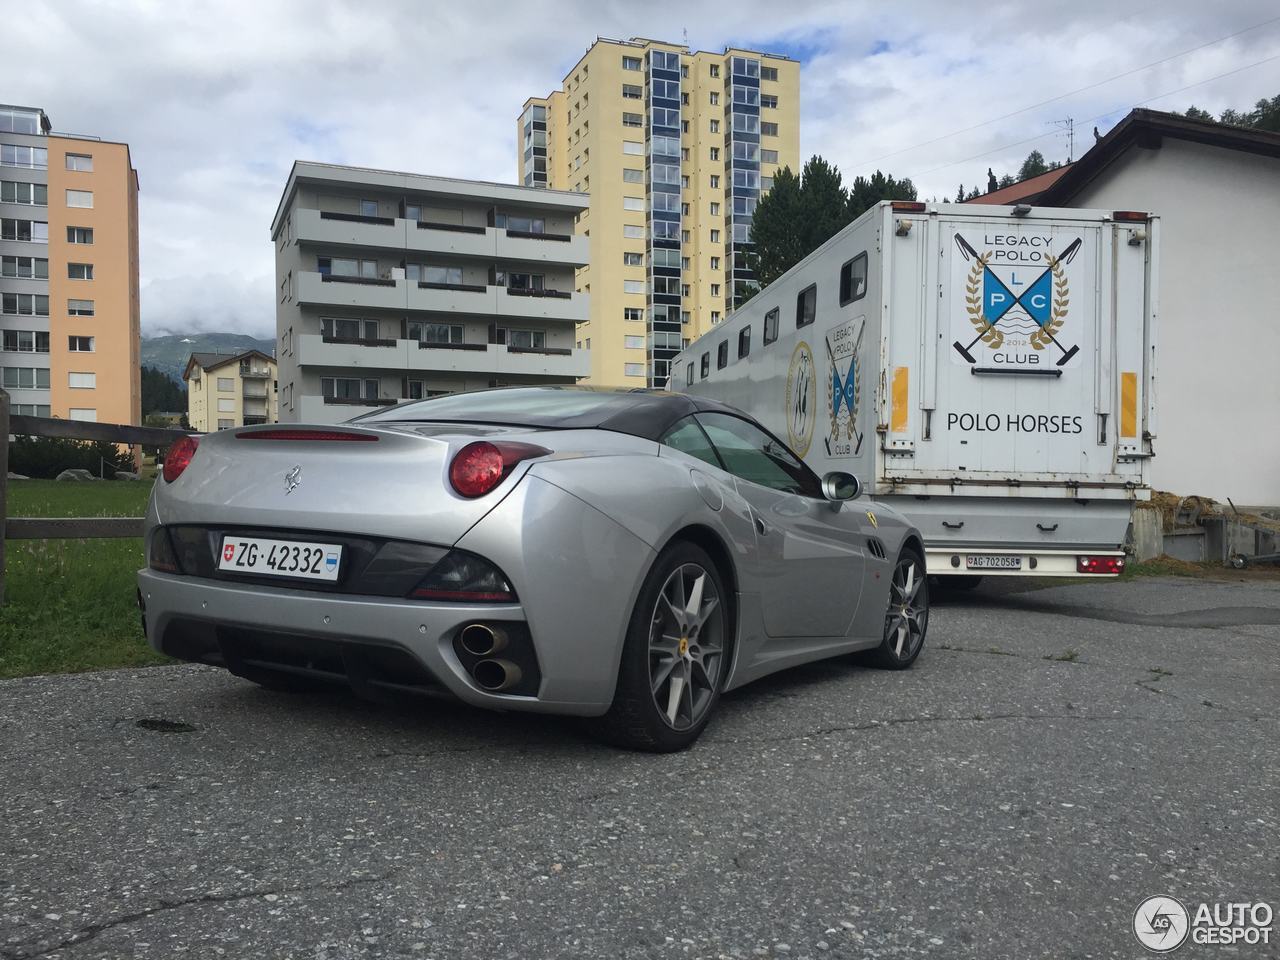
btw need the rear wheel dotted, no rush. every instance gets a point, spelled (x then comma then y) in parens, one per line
(907, 618)
(674, 658)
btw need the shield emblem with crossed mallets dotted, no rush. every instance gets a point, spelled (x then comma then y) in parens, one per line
(998, 300)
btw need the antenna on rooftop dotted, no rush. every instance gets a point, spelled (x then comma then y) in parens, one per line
(1070, 125)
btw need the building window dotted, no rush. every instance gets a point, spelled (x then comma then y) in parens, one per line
(632, 176)
(684, 182)
(771, 326)
(225, 423)
(768, 73)
(633, 286)
(30, 231)
(80, 198)
(83, 414)
(632, 120)
(715, 289)
(715, 236)
(82, 381)
(226, 385)
(766, 184)
(715, 99)
(684, 288)
(633, 259)
(30, 409)
(632, 92)
(79, 271)
(440, 333)
(722, 355)
(25, 304)
(631, 63)
(632, 342)
(715, 153)
(715, 317)
(806, 306)
(768, 101)
(715, 126)
(768, 156)
(80, 308)
(226, 405)
(684, 236)
(633, 369)
(25, 378)
(853, 279)
(632, 313)
(25, 268)
(348, 388)
(79, 234)
(368, 208)
(80, 161)
(705, 365)
(715, 70)
(768, 129)
(12, 155)
(633, 148)
(633, 203)
(25, 341)
(715, 209)
(80, 344)
(744, 341)
(347, 267)
(347, 329)
(715, 263)
(633, 231)
(30, 194)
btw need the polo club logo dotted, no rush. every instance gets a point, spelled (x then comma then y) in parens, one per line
(1037, 313)
(844, 388)
(802, 399)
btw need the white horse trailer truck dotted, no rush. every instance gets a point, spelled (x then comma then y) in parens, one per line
(989, 371)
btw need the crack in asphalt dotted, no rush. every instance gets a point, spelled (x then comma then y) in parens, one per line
(979, 718)
(92, 931)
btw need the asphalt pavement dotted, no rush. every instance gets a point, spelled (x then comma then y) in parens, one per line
(1055, 756)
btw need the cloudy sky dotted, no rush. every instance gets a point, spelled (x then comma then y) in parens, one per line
(218, 99)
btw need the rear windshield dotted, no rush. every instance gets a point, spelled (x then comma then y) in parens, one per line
(538, 407)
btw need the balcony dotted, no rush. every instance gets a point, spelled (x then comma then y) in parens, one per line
(542, 304)
(347, 229)
(328, 290)
(255, 373)
(516, 245)
(314, 350)
(255, 390)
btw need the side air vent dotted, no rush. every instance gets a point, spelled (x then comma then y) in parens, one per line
(875, 548)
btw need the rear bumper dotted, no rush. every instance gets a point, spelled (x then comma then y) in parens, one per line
(954, 561)
(413, 641)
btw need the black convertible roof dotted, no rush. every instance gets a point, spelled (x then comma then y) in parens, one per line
(638, 412)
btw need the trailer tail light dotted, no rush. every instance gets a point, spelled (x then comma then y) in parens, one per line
(462, 577)
(480, 466)
(179, 458)
(1130, 216)
(908, 206)
(1104, 565)
(325, 436)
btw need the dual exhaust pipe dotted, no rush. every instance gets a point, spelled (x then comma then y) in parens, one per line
(491, 673)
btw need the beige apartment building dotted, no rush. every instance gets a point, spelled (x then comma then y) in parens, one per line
(675, 148)
(226, 390)
(69, 317)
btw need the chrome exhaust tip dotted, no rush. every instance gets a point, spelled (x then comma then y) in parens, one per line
(482, 640)
(496, 675)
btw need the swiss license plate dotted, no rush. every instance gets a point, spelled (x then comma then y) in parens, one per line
(993, 562)
(280, 558)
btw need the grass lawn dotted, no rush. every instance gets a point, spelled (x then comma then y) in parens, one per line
(70, 604)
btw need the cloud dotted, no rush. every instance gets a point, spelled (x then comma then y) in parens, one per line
(217, 101)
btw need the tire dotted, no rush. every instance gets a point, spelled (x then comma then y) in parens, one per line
(668, 649)
(906, 618)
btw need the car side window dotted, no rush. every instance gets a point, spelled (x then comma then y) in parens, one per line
(750, 453)
(687, 437)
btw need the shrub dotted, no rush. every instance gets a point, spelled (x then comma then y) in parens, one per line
(45, 457)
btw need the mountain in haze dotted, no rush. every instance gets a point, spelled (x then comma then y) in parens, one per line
(169, 354)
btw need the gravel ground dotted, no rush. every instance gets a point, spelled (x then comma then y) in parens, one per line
(1055, 756)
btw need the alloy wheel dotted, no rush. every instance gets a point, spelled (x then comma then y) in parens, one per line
(686, 646)
(908, 614)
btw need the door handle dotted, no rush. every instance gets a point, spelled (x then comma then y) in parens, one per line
(952, 526)
(1049, 529)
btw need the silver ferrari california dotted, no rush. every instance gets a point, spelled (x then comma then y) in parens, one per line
(621, 555)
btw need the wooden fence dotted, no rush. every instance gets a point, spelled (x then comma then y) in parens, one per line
(67, 528)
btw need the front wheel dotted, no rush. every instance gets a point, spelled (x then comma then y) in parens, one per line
(674, 658)
(907, 618)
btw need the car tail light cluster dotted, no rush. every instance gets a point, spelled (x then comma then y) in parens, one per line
(465, 577)
(1088, 564)
(161, 555)
(179, 458)
(480, 466)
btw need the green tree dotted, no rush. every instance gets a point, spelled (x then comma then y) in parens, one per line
(866, 192)
(1265, 115)
(1033, 166)
(776, 230)
(160, 394)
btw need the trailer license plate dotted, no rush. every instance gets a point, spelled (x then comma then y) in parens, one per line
(280, 558)
(994, 563)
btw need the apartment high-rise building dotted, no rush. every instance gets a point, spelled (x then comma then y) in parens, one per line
(69, 318)
(675, 148)
(395, 286)
(226, 390)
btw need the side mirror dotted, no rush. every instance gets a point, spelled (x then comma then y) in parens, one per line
(838, 486)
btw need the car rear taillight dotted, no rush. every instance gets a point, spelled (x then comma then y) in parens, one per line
(161, 556)
(324, 436)
(466, 578)
(179, 458)
(480, 466)
(1111, 565)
